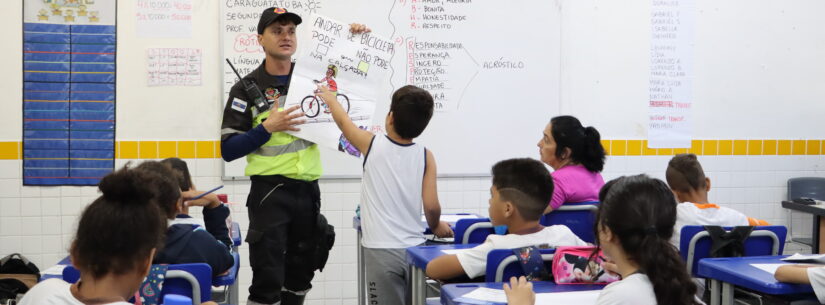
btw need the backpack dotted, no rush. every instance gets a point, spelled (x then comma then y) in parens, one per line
(728, 244)
(17, 275)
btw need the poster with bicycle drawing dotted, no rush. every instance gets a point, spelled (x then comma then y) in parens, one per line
(353, 66)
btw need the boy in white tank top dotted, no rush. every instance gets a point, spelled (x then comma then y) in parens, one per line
(399, 180)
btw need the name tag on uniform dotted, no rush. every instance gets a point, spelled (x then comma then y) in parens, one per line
(239, 105)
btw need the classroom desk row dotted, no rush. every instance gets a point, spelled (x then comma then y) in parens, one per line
(745, 272)
(723, 275)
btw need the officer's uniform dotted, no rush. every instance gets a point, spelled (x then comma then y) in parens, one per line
(284, 199)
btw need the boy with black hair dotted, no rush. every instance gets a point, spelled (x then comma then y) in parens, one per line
(520, 192)
(690, 186)
(399, 178)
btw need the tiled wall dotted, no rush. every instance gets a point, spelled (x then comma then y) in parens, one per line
(212, 149)
(39, 221)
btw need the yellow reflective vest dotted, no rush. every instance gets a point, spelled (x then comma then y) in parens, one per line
(285, 155)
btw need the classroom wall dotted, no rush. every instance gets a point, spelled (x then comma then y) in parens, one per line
(747, 166)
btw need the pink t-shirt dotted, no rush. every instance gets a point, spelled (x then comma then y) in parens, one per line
(574, 183)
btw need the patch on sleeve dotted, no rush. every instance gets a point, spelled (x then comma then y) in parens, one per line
(239, 105)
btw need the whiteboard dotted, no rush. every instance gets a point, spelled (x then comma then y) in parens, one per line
(494, 71)
(757, 68)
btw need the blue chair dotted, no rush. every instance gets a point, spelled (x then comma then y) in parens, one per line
(176, 299)
(189, 280)
(579, 217)
(230, 281)
(695, 243)
(473, 230)
(502, 264)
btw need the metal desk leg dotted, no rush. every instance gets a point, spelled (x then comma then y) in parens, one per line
(419, 286)
(362, 287)
(234, 293)
(714, 292)
(727, 294)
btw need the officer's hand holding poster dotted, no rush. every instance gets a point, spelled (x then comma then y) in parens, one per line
(352, 66)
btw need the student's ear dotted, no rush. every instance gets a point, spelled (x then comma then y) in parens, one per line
(388, 120)
(260, 40)
(707, 184)
(509, 209)
(144, 267)
(607, 235)
(72, 259)
(567, 153)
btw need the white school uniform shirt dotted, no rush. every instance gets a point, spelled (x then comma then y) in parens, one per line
(635, 289)
(474, 261)
(54, 292)
(708, 214)
(817, 277)
(391, 191)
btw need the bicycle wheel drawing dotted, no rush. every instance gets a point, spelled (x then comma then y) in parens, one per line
(344, 100)
(311, 106)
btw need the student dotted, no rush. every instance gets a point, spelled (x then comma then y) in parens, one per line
(634, 223)
(116, 238)
(520, 192)
(804, 274)
(688, 182)
(577, 157)
(213, 208)
(187, 243)
(399, 178)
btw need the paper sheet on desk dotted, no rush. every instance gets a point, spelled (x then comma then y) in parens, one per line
(54, 270)
(769, 268)
(809, 258)
(568, 298)
(485, 295)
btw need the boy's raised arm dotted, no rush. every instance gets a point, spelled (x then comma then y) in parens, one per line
(358, 137)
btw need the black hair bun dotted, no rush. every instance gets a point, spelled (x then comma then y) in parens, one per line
(126, 186)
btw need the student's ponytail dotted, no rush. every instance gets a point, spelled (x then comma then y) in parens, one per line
(584, 143)
(660, 261)
(593, 154)
(641, 212)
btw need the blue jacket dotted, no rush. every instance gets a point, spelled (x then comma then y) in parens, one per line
(188, 243)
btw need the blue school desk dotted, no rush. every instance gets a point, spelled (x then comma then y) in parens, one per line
(450, 292)
(737, 271)
(417, 259)
(362, 286)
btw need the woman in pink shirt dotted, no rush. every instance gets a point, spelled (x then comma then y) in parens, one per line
(577, 157)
